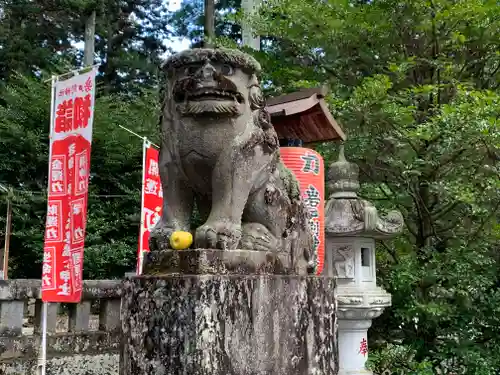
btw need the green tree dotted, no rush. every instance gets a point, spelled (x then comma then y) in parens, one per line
(130, 42)
(40, 35)
(188, 21)
(415, 85)
(37, 39)
(33, 36)
(116, 162)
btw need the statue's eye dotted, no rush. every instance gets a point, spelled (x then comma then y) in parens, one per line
(226, 70)
(190, 70)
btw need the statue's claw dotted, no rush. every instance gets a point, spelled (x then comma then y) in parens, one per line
(257, 237)
(218, 235)
(159, 239)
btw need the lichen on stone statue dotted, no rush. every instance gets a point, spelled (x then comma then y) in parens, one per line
(220, 152)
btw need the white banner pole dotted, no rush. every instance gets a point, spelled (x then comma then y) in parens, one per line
(42, 361)
(43, 364)
(52, 111)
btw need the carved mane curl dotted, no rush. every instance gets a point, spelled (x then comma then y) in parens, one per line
(228, 56)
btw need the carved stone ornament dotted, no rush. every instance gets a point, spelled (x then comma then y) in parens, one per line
(360, 314)
(356, 303)
(220, 152)
(343, 258)
(347, 214)
(349, 300)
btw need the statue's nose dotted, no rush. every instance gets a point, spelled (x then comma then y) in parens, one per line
(207, 71)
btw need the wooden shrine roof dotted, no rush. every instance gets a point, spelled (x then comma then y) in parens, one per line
(304, 115)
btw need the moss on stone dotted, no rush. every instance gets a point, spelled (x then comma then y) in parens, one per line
(290, 181)
(225, 55)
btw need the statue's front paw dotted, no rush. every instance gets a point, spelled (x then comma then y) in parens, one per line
(159, 238)
(218, 235)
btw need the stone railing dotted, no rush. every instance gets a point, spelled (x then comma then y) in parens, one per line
(83, 339)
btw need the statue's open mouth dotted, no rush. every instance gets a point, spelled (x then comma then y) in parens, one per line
(209, 95)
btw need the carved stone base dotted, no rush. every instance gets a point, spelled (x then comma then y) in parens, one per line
(357, 303)
(356, 309)
(216, 262)
(229, 325)
(353, 346)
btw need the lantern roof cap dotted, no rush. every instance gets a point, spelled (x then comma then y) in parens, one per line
(346, 214)
(304, 115)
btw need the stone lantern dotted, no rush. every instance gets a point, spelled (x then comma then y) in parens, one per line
(351, 226)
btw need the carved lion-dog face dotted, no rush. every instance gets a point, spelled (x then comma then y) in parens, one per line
(212, 87)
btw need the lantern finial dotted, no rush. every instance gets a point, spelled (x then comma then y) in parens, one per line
(341, 153)
(343, 177)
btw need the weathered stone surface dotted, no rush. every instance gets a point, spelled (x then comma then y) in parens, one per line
(242, 303)
(229, 325)
(349, 215)
(11, 317)
(351, 226)
(23, 289)
(77, 364)
(216, 262)
(84, 351)
(84, 343)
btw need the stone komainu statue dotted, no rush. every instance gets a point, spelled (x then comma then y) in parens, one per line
(220, 151)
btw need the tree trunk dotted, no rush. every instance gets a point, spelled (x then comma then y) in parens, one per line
(209, 23)
(88, 53)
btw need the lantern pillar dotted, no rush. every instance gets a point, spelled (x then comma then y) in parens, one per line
(351, 226)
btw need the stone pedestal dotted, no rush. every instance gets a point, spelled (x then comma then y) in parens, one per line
(356, 310)
(353, 346)
(218, 321)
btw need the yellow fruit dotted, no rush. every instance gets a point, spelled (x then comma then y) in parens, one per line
(181, 240)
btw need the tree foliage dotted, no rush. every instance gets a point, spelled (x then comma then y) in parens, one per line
(41, 35)
(415, 84)
(188, 21)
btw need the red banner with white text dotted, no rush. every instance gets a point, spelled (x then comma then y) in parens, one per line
(69, 165)
(308, 167)
(152, 200)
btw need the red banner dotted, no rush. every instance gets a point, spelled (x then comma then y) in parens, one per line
(69, 164)
(152, 200)
(308, 167)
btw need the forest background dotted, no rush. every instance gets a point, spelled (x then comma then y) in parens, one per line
(414, 83)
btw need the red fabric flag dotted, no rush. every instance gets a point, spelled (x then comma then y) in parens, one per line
(152, 200)
(69, 166)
